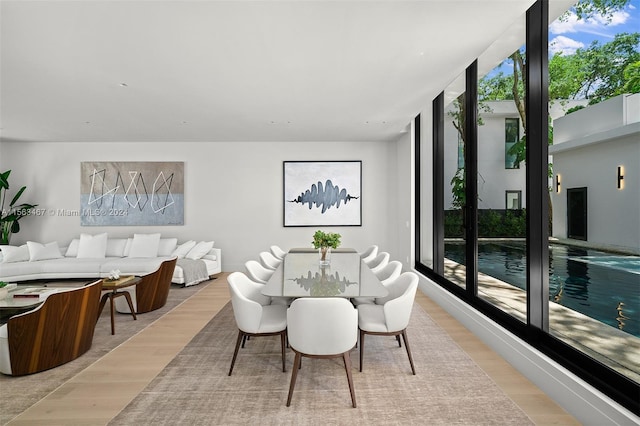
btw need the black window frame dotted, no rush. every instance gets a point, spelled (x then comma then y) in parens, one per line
(535, 331)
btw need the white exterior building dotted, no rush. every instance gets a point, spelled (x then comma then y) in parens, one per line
(500, 185)
(596, 159)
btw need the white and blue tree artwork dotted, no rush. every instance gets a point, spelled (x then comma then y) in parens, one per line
(322, 193)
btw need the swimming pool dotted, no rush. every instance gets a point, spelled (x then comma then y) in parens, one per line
(603, 286)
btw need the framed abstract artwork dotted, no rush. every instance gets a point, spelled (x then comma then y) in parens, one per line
(131, 193)
(322, 193)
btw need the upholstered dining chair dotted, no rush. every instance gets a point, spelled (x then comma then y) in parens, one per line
(369, 253)
(390, 315)
(254, 313)
(269, 260)
(378, 262)
(257, 272)
(386, 275)
(322, 328)
(277, 252)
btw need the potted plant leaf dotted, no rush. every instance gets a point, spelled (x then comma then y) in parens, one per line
(324, 242)
(10, 218)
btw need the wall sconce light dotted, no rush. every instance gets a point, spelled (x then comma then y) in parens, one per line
(558, 183)
(620, 177)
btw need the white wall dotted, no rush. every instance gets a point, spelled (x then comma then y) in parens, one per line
(612, 214)
(218, 178)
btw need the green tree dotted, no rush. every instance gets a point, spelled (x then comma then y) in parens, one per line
(632, 78)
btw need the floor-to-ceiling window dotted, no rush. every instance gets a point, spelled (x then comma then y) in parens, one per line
(492, 246)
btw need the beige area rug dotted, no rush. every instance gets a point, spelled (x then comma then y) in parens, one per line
(20, 393)
(449, 387)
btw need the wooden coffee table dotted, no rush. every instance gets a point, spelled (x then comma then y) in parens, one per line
(115, 287)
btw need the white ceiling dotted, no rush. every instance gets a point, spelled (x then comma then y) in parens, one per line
(182, 70)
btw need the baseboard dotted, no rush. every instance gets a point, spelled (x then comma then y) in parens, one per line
(577, 397)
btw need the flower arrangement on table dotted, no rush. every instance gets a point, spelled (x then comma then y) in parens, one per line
(323, 241)
(114, 275)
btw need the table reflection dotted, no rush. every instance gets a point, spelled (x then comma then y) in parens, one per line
(300, 275)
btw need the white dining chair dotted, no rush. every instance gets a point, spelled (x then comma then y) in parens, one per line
(277, 252)
(378, 262)
(390, 315)
(369, 253)
(386, 275)
(254, 313)
(269, 261)
(322, 328)
(257, 272)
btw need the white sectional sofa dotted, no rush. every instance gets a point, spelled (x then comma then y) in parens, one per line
(96, 256)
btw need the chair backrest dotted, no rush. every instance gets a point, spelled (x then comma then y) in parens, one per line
(322, 326)
(379, 261)
(390, 272)
(257, 272)
(399, 303)
(58, 331)
(152, 292)
(369, 253)
(277, 252)
(247, 301)
(269, 260)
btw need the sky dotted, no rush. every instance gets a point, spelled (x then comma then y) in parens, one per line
(573, 34)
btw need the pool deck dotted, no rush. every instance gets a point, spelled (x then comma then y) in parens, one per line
(613, 347)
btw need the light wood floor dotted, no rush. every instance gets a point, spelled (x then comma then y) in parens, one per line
(100, 392)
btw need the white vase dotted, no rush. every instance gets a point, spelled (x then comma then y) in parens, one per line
(3, 292)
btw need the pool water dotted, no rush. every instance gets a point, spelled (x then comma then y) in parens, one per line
(601, 285)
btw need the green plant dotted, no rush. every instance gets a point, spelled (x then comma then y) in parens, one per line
(326, 239)
(3, 284)
(9, 219)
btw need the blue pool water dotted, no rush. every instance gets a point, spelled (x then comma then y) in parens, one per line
(603, 286)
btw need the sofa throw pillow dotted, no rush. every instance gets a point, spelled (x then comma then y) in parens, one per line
(167, 246)
(72, 250)
(115, 247)
(39, 251)
(14, 253)
(144, 245)
(127, 247)
(92, 246)
(200, 250)
(181, 251)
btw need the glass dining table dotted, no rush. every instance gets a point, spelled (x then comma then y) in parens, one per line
(301, 275)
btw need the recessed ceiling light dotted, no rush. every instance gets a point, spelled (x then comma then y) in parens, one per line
(124, 85)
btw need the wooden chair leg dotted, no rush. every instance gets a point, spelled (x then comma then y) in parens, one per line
(347, 366)
(241, 336)
(361, 348)
(294, 375)
(406, 345)
(282, 344)
(398, 339)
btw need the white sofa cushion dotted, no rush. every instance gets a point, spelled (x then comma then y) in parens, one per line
(199, 250)
(92, 246)
(115, 247)
(15, 253)
(181, 251)
(144, 245)
(71, 267)
(39, 251)
(131, 265)
(167, 246)
(72, 250)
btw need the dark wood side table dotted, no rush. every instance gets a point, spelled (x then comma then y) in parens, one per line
(114, 287)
